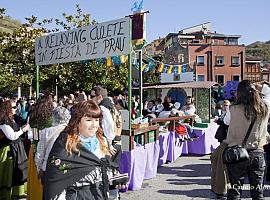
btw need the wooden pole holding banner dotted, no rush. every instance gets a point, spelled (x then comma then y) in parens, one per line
(141, 83)
(138, 32)
(37, 82)
(129, 89)
(130, 77)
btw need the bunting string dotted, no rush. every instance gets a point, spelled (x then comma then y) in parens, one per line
(149, 64)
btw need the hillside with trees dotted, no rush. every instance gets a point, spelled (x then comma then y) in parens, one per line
(259, 49)
(7, 24)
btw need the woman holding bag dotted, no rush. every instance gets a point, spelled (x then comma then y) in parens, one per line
(250, 105)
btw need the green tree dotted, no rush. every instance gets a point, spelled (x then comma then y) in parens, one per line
(17, 57)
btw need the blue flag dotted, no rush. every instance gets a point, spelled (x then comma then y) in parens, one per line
(137, 6)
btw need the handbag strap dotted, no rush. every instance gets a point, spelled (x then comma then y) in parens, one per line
(248, 131)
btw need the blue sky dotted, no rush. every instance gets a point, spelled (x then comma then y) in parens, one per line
(249, 18)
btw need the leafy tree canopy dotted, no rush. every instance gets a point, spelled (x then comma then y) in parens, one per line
(17, 59)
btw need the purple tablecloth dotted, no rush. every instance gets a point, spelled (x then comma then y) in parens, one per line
(175, 147)
(164, 144)
(142, 162)
(206, 143)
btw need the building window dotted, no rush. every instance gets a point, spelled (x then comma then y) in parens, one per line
(265, 77)
(220, 79)
(220, 60)
(235, 78)
(231, 41)
(201, 77)
(200, 60)
(235, 61)
(258, 68)
(196, 41)
(181, 58)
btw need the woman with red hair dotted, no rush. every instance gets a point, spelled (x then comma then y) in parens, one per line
(77, 165)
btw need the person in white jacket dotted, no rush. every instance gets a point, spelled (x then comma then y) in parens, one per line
(61, 117)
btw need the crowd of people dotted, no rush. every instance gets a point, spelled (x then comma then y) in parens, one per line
(70, 148)
(66, 149)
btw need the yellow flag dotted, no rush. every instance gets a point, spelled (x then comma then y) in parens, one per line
(170, 69)
(144, 66)
(109, 62)
(161, 66)
(179, 69)
(123, 58)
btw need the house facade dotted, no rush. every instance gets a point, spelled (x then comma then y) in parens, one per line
(211, 56)
(265, 72)
(253, 71)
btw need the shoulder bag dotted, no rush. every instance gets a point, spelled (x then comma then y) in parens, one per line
(237, 153)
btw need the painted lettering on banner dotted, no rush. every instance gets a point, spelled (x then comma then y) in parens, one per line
(89, 42)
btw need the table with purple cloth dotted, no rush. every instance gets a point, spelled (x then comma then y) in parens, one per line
(142, 162)
(206, 142)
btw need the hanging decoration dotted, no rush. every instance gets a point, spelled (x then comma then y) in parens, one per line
(148, 65)
(109, 62)
(170, 69)
(176, 69)
(100, 61)
(161, 67)
(166, 68)
(116, 60)
(179, 69)
(184, 67)
(123, 58)
(144, 67)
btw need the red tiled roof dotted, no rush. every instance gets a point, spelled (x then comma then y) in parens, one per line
(253, 58)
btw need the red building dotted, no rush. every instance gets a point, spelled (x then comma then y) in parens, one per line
(212, 56)
(217, 62)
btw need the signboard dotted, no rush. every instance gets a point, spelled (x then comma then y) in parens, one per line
(89, 42)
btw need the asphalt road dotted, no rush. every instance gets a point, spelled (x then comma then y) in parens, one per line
(186, 178)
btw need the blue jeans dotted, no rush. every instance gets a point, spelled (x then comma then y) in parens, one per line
(254, 169)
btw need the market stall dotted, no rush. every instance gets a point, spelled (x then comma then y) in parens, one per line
(142, 160)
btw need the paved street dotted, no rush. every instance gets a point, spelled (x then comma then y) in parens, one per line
(187, 178)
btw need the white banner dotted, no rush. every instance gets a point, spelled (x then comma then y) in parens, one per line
(89, 42)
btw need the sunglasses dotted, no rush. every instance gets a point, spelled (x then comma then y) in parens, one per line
(14, 107)
(92, 96)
